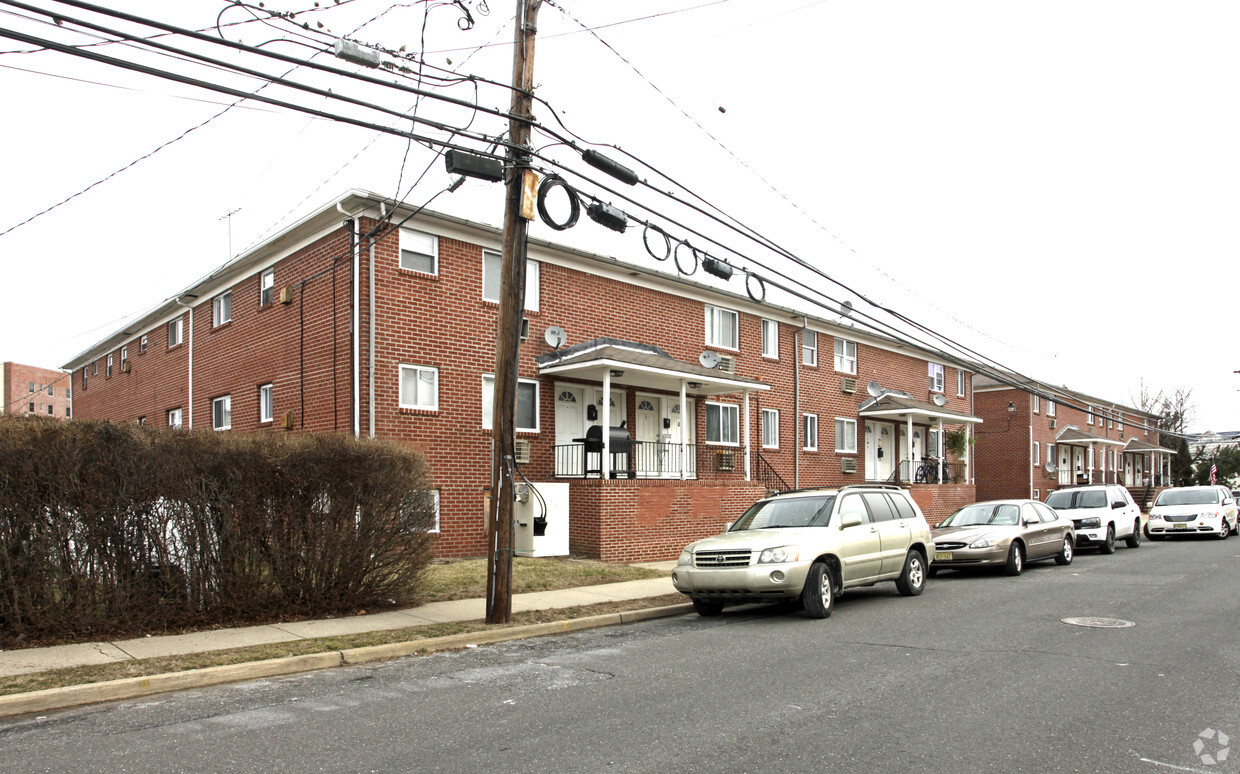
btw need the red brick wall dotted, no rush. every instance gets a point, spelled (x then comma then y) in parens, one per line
(18, 398)
(304, 349)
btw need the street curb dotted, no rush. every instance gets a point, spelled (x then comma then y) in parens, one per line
(135, 687)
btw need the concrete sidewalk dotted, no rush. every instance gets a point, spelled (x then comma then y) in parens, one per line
(28, 660)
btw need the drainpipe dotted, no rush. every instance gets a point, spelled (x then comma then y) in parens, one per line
(798, 345)
(370, 356)
(189, 369)
(355, 342)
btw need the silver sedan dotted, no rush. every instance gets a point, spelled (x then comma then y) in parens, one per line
(1006, 533)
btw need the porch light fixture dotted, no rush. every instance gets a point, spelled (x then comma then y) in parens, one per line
(616, 373)
(695, 385)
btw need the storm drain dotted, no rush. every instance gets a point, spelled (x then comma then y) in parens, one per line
(1093, 622)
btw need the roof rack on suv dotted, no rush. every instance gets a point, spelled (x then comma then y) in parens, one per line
(872, 486)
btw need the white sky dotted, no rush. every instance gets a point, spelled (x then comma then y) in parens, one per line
(1054, 184)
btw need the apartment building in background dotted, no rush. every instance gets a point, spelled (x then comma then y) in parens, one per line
(28, 389)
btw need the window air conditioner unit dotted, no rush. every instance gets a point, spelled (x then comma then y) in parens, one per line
(286, 294)
(287, 421)
(525, 328)
(848, 385)
(124, 366)
(521, 451)
(1052, 424)
(727, 364)
(725, 461)
(848, 465)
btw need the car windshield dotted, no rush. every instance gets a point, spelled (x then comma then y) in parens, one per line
(1077, 498)
(983, 513)
(1188, 497)
(787, 512)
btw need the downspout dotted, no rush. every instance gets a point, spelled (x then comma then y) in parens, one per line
(370, 357)
(1047, 450)
(355, 341)
(797, 354)
(189, 369)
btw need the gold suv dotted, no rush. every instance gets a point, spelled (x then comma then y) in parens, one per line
(810, 545)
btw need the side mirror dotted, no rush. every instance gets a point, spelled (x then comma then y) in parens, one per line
(1031, 520)
(851, 520)
(1117, 505)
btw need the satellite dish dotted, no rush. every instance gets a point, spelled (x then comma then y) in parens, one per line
(940, 399)
(1050, 466)
(874, 389)
(555, 337)
(846, 308)
(709, 359)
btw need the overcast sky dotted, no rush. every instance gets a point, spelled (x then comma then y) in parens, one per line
(1053, 184)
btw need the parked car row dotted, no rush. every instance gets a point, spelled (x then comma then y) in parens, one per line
(811, 545)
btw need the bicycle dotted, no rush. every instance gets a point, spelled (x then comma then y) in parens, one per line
(927, 472)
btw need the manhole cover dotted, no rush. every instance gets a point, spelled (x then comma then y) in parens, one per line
(1094, 622)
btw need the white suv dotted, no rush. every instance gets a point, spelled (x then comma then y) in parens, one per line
(1101, 513)
(810, 545)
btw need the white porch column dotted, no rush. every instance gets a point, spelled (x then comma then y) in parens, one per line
(968, 431)
(1089, 463)
(748, 474)
(942, 452)
(605, 464)
(908, 438)
(684, 420)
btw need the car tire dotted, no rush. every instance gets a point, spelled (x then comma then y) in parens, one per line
(707, 608)
(818, 596)
(913, 580)
(1134, 540)
(1015, 560)
(1107, 546)
(1065, 554)
(1224, 530)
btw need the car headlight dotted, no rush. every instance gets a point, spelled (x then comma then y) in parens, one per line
(1155, 517)
(779, 555)
(686, 558)
(984, 542)
(1090, 523)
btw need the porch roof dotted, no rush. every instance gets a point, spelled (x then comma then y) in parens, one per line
(641, 365)
(897, 406)
(1134, 447)
(1071, 436)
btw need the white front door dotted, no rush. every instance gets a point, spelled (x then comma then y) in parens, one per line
(677, 459)
(1128, 471)
(915, 456)
(879, 452)
(570, 423)
(648, 451)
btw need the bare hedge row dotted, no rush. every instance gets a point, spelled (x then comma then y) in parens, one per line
(110, 530)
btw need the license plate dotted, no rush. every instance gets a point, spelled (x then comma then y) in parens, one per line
(941, 556)
(1179, 526)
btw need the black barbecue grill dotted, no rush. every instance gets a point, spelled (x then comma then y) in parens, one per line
(621, 448)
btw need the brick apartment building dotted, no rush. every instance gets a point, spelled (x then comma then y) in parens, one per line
(323, 330)
(29, 389)
(1038, 439)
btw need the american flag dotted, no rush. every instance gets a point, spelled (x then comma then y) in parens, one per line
(1213, 473)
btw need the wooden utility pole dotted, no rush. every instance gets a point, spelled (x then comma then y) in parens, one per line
(511, 308)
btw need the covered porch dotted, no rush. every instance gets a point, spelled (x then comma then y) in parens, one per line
(626, 410)
(905, 441)
(1077, 450)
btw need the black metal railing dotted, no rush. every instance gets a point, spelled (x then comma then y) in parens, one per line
(769, 477)
(927, 471)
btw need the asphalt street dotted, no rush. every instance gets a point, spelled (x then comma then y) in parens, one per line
(977, 674)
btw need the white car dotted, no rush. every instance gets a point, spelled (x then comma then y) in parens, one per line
(1193, 510)
(1101, 513)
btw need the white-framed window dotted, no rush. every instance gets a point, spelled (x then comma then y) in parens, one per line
(809, 432)
(809, 348)
(175, 329)
(960, 382)
(1111, 459)
(1037, 494)
(221, 309)
(770, 429)
(142, 343)
(846, 356)
(1119, 421)
(109, 370)
(221, 412)
(721, 327)
(266, 403)
(434, 493)
(174, 418)
(492, 279)
(1145, 425)
(1050, 408)
(936, 377)
(419, 251)
(124, 354)
(526, 414)
(1089, 418)
(1050, 452)
(267, 287)
(845, 435)
(1037, 403)
(770, 339)
(1037, 453)
(723, 423)
(419, 387)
